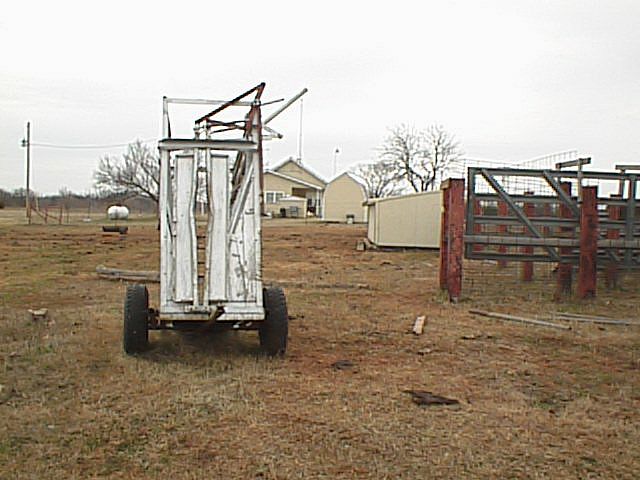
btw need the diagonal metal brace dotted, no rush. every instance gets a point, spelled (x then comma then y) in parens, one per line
(517, 210)
(566, 199)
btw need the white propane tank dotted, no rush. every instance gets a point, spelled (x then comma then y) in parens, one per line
(118, 212)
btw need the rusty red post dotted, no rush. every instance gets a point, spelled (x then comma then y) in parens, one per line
(565, 269)
(613, 233)
(455, 238)
(587, 272)
(503, 211)
(527, 267)
(444, 230)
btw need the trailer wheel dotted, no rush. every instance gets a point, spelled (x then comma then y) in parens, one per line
(136, 318)
(275, 328)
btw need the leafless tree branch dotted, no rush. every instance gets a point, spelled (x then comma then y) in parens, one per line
(137, 172)
(420, 156)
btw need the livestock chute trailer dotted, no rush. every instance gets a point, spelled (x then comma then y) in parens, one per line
(211, 264)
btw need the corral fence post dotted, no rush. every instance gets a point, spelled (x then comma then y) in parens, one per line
(587, 272)
(565, 268)
(452, 237)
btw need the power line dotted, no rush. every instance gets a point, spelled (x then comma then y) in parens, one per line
(87, 147)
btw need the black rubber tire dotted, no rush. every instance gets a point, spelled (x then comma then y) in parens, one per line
(275, 328)
(136, 319)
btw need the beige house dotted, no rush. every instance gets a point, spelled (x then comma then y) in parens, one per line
(293, 190)
(405, 221)
(344, 200)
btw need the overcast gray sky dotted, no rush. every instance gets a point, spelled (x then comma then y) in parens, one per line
(512, 79)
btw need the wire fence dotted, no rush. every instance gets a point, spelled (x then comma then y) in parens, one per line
(516, 185)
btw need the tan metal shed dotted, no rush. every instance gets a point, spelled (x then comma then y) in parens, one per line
(405, 221)
(344, 196)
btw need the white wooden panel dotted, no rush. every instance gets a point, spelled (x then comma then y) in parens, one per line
(184, 241)
(165, 230)
(257, 219)
(249, 235)
(218, 244)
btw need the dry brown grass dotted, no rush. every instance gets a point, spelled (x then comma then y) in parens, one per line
(535, 403)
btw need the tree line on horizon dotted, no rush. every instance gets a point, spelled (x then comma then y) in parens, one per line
(409, 160)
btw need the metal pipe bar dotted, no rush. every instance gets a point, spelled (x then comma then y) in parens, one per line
(517, 210)
(634, 167)
(273, 133)
(521, 241)
(603, 243)
(543, 222)
(230, 123)
(284, 107)
(566, 199)
(171, 144)
(538, 221)
(529, 172)
(541, 200)
(258, 89)
(574, 163)
(204, 101)
(510, 257)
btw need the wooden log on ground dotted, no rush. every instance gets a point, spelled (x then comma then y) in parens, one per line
(592, 319)
(131, 275)
(513, 318)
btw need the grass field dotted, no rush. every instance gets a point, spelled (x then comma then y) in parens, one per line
(534, 402)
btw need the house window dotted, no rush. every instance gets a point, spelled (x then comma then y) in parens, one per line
(273, 197)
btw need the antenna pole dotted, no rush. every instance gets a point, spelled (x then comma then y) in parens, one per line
(27, 144)
(300, 133)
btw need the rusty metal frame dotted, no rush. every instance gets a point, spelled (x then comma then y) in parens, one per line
(629, 226)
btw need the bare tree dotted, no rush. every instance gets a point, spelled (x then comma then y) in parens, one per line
(419, 156)
(137, 172)
(65, 195)
(380, 178)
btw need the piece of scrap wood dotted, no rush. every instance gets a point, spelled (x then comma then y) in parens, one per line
(133, 275)
(418, 325)
(591, 319)
(38, 314)
(343, 364)
(513, 318)
(424, 398)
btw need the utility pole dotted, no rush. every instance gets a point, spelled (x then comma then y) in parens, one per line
(336, 152)
(27, 144)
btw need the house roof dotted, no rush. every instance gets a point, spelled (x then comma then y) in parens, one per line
(307, 169)
(373, 201)
(293, 179)
(352, 176)
(357, 181)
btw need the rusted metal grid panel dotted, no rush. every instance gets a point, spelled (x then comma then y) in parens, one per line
(547, 217)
